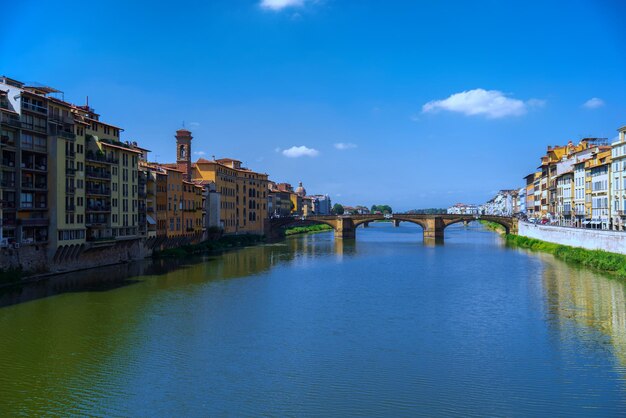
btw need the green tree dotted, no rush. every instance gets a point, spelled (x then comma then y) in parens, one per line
(382, 209)
(338, 209)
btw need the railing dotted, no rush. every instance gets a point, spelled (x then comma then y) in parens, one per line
(8, 163)
(34, 108)
(35, 128)
(70, 154)
(8, 183)
(96, 208)
(8, 222)
(6, 140)
(105, 192)
(70, 171)
(68, 120)
(98, 174)
(90, 156)
(67, 135)
(70, 189)
(10, 120)
(35, 167)
(35, 222)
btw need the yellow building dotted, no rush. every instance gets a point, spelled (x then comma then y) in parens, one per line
(243, 206)
(242, 192)
(598, 189)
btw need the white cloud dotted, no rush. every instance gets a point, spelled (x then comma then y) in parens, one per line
(194, 124)
(199, 152)
(593, 103)
(491, 103)
(281, 4)
(301, 151)
(344, 145)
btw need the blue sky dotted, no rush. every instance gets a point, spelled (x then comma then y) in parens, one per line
(433, 102)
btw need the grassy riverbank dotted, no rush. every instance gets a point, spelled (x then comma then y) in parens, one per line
(603, 261)
(492, 226)
(307, 229)
(224, 243)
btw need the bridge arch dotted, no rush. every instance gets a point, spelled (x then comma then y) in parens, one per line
(502, 221)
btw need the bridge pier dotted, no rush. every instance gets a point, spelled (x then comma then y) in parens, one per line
(366, 224)
(433, 232)
(396, 223)
(345, 229)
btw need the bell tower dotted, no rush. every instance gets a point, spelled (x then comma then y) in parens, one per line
(183, 151)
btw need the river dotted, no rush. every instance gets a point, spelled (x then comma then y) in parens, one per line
(380, 326)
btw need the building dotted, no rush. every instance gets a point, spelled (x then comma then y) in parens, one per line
(281, 200)
(618, 181)
(598, 189)
(243, 193)
(321, 204)
(463, 209)
(502, 204)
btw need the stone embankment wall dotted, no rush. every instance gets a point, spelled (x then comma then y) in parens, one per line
(591, 239)
(34, 259)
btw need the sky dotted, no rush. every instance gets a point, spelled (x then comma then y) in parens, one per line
(411, 103)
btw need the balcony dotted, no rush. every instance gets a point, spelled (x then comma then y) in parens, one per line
(91, 156)
(66, 120)
(35, 128)
(34, 167)
(8, 163)
(8, 184)
(67, 135)
(70, 154)
(98, 174)
(10, 120)
(34, 222)
(70, 171)
(70, 189)
(99, 191)
(34, 108)
(96, 220)
(33, 206)
(98, 208)
(70, 208)
(34, 185)
(7, 141)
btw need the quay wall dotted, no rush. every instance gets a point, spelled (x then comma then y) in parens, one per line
(35, 259)
(590, 239)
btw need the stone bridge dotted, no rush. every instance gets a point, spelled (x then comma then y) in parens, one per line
(345, 226)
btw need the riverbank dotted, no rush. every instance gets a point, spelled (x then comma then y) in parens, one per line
(224, 243)
(311, 229)
(602, 261)
(492, 226)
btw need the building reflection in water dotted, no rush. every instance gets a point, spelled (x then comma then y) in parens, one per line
(588, 299)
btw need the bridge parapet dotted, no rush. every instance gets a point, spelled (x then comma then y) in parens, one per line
(433, 226)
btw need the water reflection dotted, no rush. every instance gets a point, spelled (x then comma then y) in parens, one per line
(588, 299)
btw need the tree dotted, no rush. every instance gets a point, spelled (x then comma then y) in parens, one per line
(384, 209)
(338, 209)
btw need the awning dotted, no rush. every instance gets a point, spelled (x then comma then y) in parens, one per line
(151, 220)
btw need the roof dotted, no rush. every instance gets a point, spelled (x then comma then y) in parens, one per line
(120, 147)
